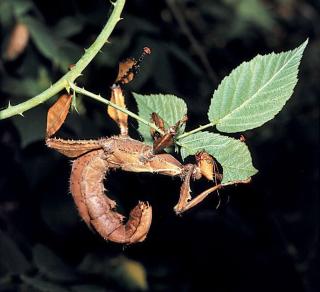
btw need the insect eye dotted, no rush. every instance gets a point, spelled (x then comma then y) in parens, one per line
(205, 163)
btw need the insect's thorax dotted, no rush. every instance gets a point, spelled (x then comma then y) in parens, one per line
(135, 156)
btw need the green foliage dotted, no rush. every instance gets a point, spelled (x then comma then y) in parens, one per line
(34, 185)
(51, 266)
(255, 91)
(250, 96)
(42, 285)
(46, 42)
(251, 11)
(35, 129)
(232, 154)
(13, 261)
(68, 27)
(169, 107)
(43, 270)
(130, 273)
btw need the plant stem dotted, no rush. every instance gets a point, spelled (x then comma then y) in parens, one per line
(122, 109)
(69, 77)
(186, 134)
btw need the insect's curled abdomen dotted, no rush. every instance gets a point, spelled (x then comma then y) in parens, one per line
(97, 210)
(135, 230)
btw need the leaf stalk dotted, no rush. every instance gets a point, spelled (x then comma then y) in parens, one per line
(200, 128)
(99, 98)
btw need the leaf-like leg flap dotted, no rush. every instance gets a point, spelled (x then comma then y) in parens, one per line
(198, 199)
(119, 117)
(185, 189)
(57, 114)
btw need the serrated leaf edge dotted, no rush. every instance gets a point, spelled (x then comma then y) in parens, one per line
(296, 51)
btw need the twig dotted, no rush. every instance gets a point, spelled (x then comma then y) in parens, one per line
(200, 128)
(99, 98)
(69, 77)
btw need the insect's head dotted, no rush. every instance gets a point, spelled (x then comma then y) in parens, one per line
(206, 165)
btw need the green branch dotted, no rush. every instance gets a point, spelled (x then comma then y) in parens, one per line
(200, 128)
(99, 98)
(76, 71)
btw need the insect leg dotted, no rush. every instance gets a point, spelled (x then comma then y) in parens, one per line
(185, 189)
(198, 199)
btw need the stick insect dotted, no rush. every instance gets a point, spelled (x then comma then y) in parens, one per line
(93, 159)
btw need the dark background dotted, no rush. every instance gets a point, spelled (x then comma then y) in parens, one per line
(263, 237)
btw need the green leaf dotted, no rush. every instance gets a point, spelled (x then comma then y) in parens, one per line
(46, 42)
(232, 154)
(13, 261)
(169, 107)
(255, 91)
(131, 274)
(31, 126)
(22, 7)
(50, 265)
(251, 12)
(69, 54)
(42, 37)
(42, 285)
(6, 14)
(26, 87)
(68, 27)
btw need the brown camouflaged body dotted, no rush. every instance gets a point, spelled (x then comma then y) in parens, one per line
(96, 158)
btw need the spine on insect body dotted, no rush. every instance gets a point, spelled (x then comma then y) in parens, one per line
(97, 210)
(135, 156)
(73, 148)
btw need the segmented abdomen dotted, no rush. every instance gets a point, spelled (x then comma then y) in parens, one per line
(97, 210)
